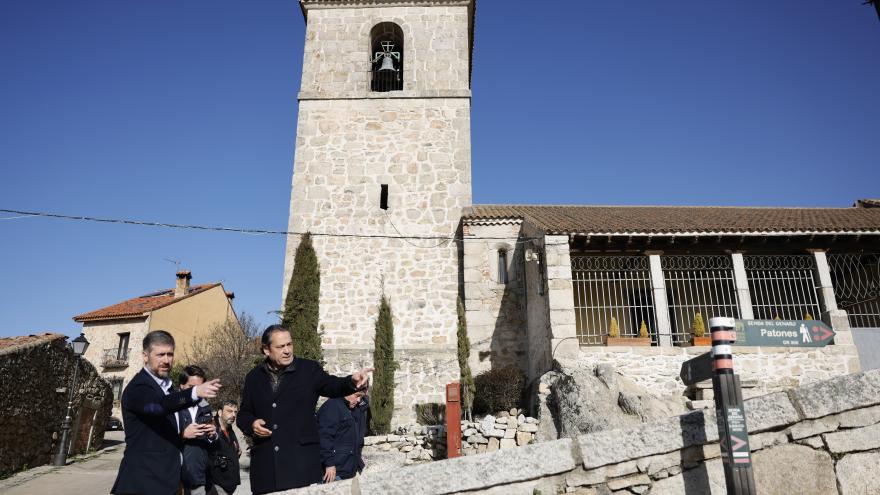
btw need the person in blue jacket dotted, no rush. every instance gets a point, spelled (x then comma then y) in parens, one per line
(342, 424)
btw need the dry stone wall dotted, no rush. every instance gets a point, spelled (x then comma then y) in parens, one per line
(822, 438)
(35, 378)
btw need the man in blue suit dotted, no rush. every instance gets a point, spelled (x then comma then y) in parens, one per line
(151, 464)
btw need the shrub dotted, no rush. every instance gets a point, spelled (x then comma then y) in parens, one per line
(643, 330)
(698, 328)
(499, 389)
(464, 352)
(301, 305)
(431, 414)
(613, 328)
(382, 391)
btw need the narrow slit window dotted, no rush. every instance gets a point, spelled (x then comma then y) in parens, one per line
(383, 197)
(502, 266)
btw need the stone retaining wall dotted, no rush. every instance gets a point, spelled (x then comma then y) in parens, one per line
(822, 438)
(35, 376)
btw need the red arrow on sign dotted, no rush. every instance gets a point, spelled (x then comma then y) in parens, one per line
(821, 334)
(738, 443)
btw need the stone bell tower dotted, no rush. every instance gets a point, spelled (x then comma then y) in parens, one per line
(382, 170)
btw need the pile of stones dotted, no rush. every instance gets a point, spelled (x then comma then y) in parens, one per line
(505, 430)
(418, 443)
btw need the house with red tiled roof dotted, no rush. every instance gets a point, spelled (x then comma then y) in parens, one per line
(188, 312)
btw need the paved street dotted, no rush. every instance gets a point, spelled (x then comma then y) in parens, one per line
(92, 476)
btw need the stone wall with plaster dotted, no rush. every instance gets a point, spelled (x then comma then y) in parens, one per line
(495, 309)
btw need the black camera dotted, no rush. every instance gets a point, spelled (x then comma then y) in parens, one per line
(221, 461)
(205, 418)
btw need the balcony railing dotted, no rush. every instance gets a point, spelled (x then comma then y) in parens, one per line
(115, 358)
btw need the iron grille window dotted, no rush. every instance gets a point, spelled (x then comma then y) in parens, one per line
(782, 286)
(607, 287)
(856, 281)
(698, 284)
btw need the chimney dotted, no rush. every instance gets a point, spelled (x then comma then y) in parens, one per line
(183, 277)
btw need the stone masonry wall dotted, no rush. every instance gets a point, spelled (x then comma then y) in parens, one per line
(420, 379)
(104, 335)
(818, 439)
(337, 50)
(417, 142)
(772, 368)
(35, 378)
(495, 311)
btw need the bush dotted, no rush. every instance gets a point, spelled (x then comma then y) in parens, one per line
(431, 414)
(499, 389)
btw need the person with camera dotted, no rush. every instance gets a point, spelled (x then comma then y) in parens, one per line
(198, 433)
(223, 467)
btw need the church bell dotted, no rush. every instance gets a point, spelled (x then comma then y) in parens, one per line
(387, 64)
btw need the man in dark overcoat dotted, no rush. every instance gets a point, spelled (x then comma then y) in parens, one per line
(342, 424)
(278, 412)
(151, 463)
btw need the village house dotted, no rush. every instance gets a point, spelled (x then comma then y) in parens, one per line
(115, 332)
(382, 177)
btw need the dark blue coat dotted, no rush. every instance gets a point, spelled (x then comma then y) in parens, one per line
(342, 436)
(291, 457)
(195, 451)
(152, 458)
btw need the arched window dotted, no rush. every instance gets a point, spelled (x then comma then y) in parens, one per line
(502, 266)
(386, 55)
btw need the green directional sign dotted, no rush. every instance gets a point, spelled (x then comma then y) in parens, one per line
(783, 333)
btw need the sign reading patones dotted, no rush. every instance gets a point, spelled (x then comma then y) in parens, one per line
(783, 333)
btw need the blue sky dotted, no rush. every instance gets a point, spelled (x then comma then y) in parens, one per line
(185, 112)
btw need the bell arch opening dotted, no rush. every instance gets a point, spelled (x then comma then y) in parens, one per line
(386, 56)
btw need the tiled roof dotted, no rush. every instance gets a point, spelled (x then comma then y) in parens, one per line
(140, 306)
(659, 220)
(10, 344)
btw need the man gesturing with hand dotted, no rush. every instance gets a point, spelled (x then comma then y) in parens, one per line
(151, 464)
(278, 412)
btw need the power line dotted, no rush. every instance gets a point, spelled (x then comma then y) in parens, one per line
(443, 239)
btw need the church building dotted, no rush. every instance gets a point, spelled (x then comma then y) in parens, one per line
(382, 180)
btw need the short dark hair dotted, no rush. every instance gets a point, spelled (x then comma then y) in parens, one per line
(160, 337)
(228, 402)
(266, 339)
(190, 371)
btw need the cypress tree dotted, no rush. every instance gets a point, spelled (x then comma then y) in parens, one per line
(301, 305)
(464, 352)
(382, 393)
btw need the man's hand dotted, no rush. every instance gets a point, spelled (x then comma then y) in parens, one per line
(208, 390)
(196, 430)
(329, 474)
(361, 378)
(260, 429)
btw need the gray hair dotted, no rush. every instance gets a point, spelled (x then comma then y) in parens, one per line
(160, 337)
